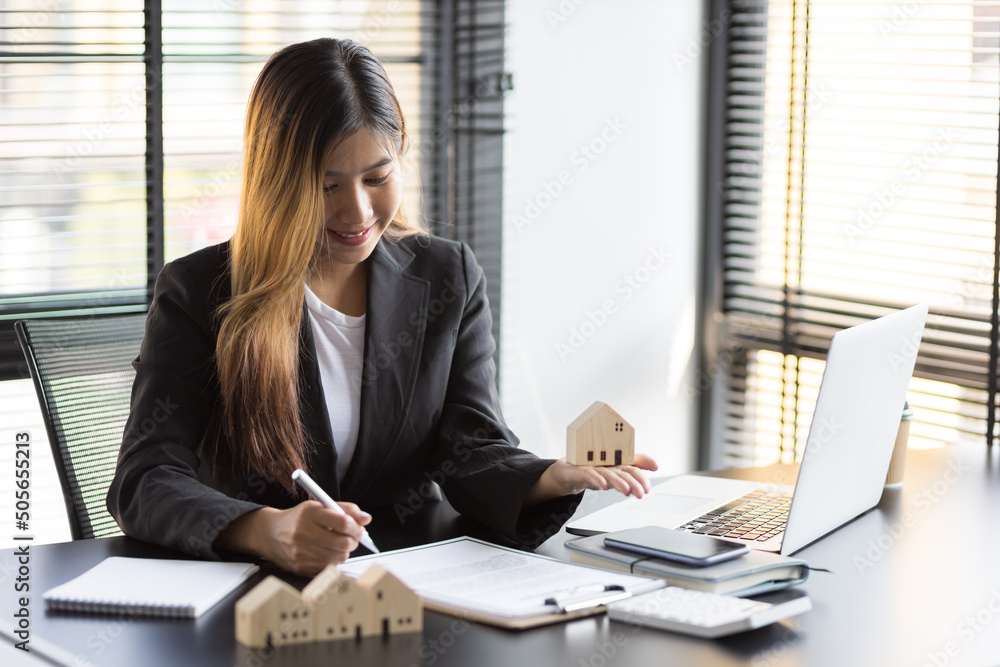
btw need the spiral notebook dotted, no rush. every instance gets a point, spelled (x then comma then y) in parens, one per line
(149, 587)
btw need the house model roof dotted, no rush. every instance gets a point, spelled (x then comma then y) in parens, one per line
(264, 592)
(591, 412)
(316, 590)
(375, 575)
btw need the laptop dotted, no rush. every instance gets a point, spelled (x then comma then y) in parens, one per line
(843, 467)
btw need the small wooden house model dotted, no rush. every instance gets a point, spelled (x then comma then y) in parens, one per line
(393, 607)
(342, 608)
(600, 437)
(273, 613)
(331, 606)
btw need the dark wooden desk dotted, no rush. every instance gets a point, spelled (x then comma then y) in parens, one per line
(914, 582)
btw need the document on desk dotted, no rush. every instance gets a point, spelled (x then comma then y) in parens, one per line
(483, 582)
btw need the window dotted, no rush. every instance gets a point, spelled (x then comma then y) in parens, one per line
(855, 169)
(121, 125)
(72, 161)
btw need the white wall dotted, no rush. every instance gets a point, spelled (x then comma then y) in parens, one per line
(48, 523)
(601, 219)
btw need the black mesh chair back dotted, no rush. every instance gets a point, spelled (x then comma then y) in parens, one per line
(82, 370)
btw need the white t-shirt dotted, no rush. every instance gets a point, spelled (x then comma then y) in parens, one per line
(340, 350)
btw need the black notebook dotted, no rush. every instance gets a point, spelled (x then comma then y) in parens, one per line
(149, 587)
(750, 574)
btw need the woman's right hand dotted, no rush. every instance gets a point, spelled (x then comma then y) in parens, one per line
(303, 539)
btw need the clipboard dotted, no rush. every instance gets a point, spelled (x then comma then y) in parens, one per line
(482, 582)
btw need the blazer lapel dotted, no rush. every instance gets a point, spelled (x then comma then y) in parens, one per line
(394, 335)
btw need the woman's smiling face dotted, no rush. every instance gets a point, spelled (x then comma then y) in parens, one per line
(362, 191)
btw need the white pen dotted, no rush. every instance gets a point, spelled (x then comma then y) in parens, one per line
(303, 479)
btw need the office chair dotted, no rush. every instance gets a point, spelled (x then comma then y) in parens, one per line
(82, 370)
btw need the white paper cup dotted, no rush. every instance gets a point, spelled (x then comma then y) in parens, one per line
(894, 477)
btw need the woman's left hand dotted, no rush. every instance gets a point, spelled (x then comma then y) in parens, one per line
(563, 479)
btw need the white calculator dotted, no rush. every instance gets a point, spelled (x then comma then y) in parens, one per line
(702, 614)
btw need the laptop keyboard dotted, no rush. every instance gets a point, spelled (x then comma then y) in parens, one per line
(756, 517)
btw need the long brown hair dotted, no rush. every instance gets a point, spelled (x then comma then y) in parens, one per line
(307, 99)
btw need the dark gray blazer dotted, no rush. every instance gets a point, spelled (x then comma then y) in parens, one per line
(429, 408)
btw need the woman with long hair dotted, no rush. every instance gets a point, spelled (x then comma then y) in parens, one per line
(330, 333)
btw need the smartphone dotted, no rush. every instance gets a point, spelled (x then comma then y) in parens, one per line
(675, 545)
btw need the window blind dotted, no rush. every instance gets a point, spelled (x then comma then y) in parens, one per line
(212, 53)
(477, 124)
(72, 161)
(121, 126)
(858, 175)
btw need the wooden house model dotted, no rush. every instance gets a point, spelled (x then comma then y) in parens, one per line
(331, 606)
(392, 606)
(341, 606)
(600, 437)
(273, 612)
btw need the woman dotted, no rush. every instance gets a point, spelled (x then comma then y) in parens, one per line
(332, 334)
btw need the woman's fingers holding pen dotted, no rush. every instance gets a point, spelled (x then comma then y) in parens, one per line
(308, 537)
(332, 529)
(361, 517)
